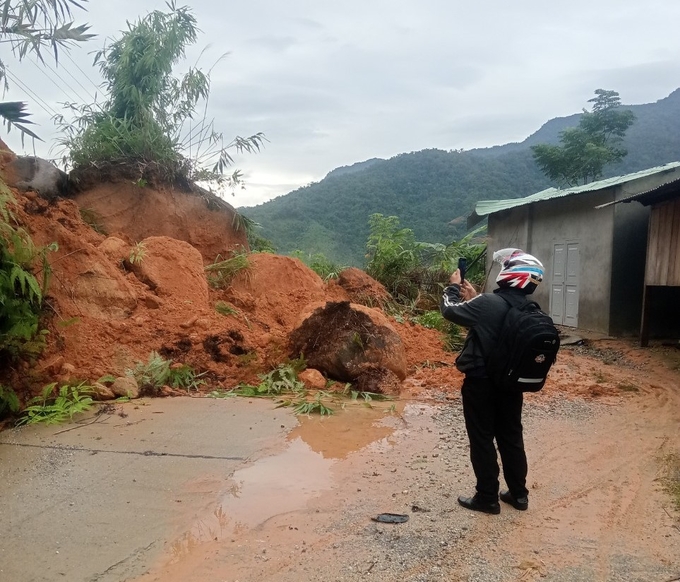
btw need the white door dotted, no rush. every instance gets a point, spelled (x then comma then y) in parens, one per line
(565, 284)
(557, 283)
(571, 286)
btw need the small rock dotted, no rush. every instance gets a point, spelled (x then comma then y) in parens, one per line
(101, 392)
(190, 322)
(152, 302)
(67, 369)
(313, 379)
(125, 386)
(53, 365)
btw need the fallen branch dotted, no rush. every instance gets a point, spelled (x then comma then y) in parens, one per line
(95, 419)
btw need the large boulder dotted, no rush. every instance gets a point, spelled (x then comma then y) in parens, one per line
(351, 343)
(31, 173)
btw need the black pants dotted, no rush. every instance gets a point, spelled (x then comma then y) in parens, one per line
(490, 413)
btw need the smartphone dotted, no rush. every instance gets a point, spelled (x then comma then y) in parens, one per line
(462, 267)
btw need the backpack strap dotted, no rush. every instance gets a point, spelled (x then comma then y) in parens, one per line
(512, 301)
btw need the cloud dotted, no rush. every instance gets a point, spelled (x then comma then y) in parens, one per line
(332, 84)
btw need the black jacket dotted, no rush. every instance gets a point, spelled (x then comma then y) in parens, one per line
(484, 315)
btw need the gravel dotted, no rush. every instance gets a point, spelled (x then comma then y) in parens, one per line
(440, 541)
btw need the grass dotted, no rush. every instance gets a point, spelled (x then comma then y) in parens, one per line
(452, 335)
(223, 308)
(600, 377)
(220, 273)
(282, 385)
(671, 478)
(137, 253)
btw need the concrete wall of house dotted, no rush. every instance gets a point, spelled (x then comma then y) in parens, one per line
(631, 226)
(509, 228)
(574, 219)
(537, 227)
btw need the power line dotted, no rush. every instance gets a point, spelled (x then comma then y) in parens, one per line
(70, 74)
(42, 103)
(68, 56)
(96, 87)
(62, 82)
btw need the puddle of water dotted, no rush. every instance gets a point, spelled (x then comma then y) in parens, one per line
(278, 484)
(286, 482)
(347, 431)
(271, 486)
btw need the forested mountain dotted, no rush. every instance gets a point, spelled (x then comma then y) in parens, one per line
(433, 191)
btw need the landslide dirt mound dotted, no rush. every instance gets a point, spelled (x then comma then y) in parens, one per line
(115, 298)
(135, 212)
(124, 288)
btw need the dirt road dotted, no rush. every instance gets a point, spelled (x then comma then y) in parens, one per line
(599, 439)
(598, 512)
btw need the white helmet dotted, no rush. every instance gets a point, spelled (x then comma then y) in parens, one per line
(518, 269)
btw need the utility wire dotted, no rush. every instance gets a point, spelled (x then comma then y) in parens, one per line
(62, 82)
(70, 74)
(96, 87)
(43, 104)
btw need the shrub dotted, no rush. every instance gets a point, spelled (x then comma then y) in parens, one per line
(9, 403)
(415, 271)
(320, 264)
(158, 372)
(51, 408)
(146, 129)
(220, 273)
(20, 291)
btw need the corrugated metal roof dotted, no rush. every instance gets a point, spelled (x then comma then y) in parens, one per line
(486, 207)
(648, 196)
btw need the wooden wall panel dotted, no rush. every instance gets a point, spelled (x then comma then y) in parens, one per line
(663, 250)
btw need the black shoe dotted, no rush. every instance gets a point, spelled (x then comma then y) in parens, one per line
(521, 503)
(484, 506)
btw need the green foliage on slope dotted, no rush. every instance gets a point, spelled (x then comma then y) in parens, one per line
(149, 123)
(21, 292)
(431, 192)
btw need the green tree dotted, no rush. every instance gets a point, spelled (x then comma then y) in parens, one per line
(31, 27)
(588, 148)
(147, 122)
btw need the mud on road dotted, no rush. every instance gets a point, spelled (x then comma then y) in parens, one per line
(596, 440)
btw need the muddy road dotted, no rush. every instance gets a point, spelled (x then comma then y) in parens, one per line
(299, 506)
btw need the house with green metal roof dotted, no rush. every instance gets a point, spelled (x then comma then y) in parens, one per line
(593, 249)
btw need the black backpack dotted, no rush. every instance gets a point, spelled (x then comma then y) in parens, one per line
(526, 349)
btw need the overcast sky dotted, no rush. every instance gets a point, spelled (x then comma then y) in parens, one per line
(334, 83)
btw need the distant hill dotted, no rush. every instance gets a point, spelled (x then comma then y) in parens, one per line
(433, 191)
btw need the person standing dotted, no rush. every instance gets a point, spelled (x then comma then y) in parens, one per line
(491, 413)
